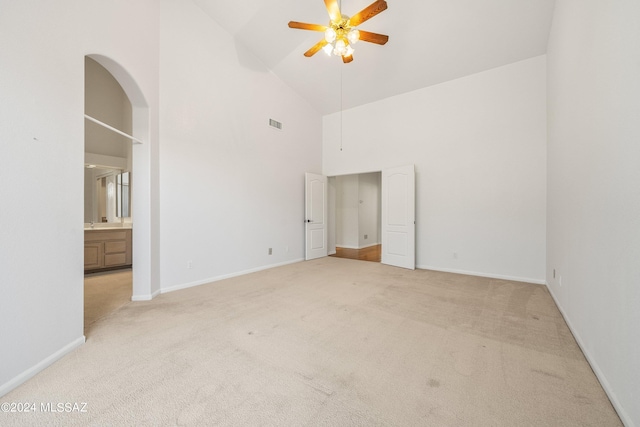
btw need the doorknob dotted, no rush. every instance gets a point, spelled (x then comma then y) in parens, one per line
(308, 220)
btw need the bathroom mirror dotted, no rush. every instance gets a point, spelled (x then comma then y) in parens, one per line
(107, 195)
(123, 195)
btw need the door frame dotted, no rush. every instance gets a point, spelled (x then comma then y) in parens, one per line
(331, 221)
(145, 255)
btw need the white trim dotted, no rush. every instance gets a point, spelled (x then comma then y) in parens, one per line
(369, 245)
(356, 247)
(111, 128)
(226, 276)
(346, 246)
(624, 417)
(101, 160)
(491, 276)
(148, 297)
(41, 366)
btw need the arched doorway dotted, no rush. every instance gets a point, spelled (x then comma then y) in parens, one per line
(108, 281)
(140, 166)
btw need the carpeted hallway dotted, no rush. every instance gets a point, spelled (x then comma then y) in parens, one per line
(105, 293)
(329, 342)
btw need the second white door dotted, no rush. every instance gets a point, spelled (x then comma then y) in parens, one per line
(398, 217)
(315, 216)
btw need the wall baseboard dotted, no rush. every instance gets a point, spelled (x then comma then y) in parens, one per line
(624, 417)
(491, 276)
(147, 297)
(369, 245)
(226, 276)
(357, 247)
(41, 366)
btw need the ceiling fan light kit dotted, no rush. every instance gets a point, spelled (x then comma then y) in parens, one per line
(341, 33)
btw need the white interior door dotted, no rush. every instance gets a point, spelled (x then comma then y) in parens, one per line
(315, 215)
(398, 217)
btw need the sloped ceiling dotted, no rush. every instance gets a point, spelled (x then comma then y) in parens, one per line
(430, 42)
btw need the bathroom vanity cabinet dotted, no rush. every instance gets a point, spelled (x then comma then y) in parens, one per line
(106, 249)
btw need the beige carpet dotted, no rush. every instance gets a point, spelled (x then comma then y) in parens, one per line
(105, 293)
(329, 342)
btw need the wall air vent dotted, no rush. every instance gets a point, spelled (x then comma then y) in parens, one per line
(275, 124)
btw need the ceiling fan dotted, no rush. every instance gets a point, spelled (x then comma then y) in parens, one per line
(341, 33)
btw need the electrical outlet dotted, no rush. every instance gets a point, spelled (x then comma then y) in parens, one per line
(270, 251)
(286, 248)
(455, 255)
(189, 264)
(366, 236)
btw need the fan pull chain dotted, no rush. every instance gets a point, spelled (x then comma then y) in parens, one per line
(340, 107)
(340, 7)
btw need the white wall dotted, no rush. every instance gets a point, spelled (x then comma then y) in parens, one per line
(42, 50)
(357, 210)
(478, 144)
(332, 215)
(231, 186)
(593, 235)
(347, 211)
(369, 209)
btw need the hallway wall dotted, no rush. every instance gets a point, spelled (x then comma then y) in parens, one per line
(593, 234)
(42, 157)
(357, 210)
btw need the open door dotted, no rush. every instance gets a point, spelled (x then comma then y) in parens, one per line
(398, 217)
(315, 216)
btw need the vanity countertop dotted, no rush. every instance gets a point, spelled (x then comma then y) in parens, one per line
(103, 227)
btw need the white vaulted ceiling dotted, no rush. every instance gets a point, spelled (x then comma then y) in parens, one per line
(430, 42)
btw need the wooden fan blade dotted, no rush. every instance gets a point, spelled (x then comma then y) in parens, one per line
(376, 38)
(368, 12)
(333, 9)
(316, 47)
(347, 59)
(304, 26)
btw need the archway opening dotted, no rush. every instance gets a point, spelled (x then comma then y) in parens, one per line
(124, 110)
